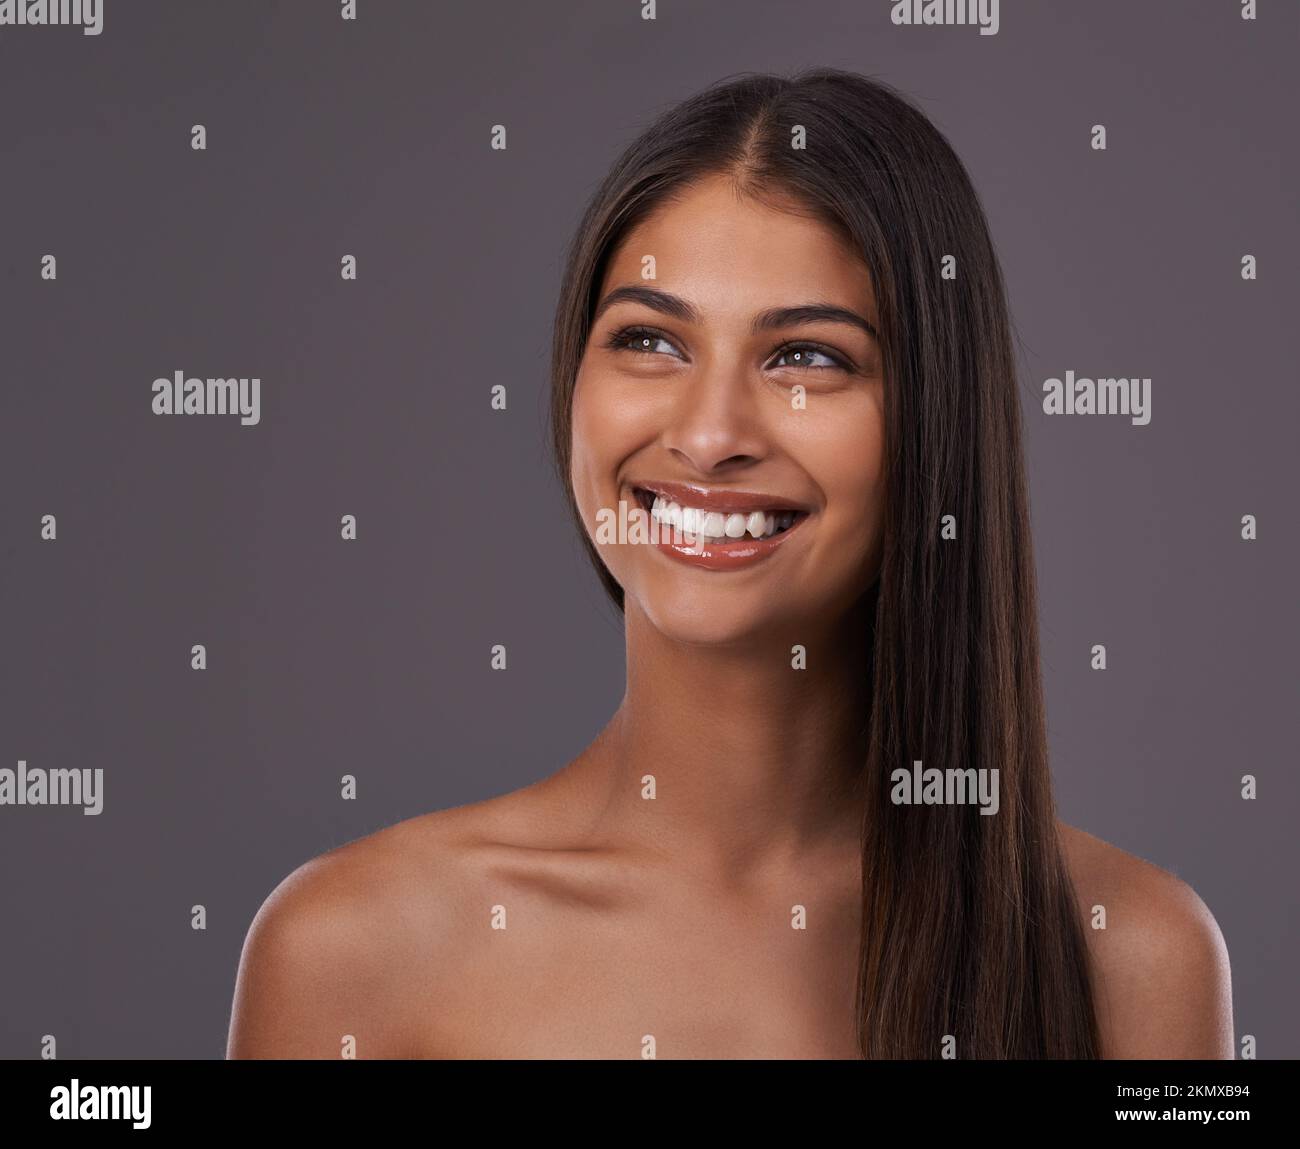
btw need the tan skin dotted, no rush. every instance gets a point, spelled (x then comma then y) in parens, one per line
(670, 919)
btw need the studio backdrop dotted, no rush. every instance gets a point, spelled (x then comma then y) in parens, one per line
(258, 634)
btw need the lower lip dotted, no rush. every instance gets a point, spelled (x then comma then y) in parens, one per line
(724, 556)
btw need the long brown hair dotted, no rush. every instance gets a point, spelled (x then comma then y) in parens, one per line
(970, 928)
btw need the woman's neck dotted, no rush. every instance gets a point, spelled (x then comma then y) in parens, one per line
(756, 765)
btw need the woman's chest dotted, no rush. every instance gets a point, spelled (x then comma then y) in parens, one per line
(778, 990)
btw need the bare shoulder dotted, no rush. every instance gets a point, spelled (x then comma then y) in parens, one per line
(1161, 973)
(356, 949)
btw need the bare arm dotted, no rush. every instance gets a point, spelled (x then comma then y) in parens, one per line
(1161, 978)
(317, 975)
(1168, 988)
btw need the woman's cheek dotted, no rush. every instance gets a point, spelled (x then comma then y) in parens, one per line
(599, 448)
(587, 446)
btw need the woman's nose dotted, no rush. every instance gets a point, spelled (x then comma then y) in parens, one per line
(715, 422)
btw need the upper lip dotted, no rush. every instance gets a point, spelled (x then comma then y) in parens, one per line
(717, 498)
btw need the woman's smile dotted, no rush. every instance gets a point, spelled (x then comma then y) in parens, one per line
(717, 528)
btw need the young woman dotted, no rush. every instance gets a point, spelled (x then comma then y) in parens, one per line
(782, 343)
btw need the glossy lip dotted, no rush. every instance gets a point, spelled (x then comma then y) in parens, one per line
(728, 555)
(717, 498)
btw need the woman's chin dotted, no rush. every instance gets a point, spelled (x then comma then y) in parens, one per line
(713, 619)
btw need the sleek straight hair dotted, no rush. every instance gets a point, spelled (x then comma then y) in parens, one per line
(971, 930)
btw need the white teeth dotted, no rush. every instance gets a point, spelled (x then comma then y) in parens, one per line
(716, 525)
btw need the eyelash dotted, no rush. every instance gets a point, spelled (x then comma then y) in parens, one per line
(617, 341)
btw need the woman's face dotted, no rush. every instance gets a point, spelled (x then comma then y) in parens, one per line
(760, 434)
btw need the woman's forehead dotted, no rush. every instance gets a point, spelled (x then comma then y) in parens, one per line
(724, 252)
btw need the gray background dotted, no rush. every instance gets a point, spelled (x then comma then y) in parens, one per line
(372, 658)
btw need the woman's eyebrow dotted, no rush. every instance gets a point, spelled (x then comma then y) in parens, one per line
(811, 313)
(673, 305)
(651, 297)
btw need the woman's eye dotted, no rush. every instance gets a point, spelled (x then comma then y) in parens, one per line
(647, 341)
(806, 357)
(640, 339)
